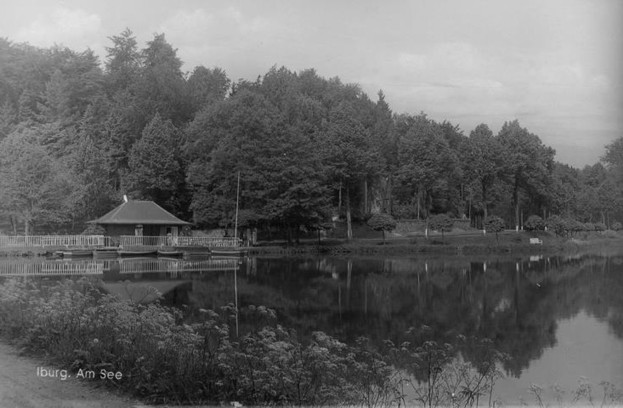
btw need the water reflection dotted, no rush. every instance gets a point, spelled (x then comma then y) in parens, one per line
(140, 280)
(520, 304)
(142, 265)
(539, 310)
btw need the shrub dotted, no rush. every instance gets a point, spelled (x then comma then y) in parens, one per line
(610, 234)
(404, 211)
(559, 225)
(574, 226)
(494, 224)
(382, 222)
(616, 226)
(600, 226)
(163, 359)
(534, 223)
(441, 222)
(94, 229)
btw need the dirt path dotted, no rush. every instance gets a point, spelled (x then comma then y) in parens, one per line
(21, 387)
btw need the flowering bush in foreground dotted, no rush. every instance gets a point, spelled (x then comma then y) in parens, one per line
(162, 359)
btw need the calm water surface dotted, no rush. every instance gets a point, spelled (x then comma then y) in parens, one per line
(559, 318)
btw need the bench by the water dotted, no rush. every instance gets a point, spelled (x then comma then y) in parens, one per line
(536, 241)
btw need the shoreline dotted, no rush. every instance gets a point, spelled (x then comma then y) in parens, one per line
(508, 244)
(455, 246)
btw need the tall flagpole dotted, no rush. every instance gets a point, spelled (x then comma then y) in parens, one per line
(236, 222)
(236, 296)
(235, 243)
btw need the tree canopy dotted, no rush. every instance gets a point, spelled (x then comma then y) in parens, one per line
(308, 149)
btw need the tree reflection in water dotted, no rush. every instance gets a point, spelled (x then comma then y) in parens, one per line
(516, 303)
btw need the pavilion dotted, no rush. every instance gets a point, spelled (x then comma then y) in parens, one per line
(140, 218)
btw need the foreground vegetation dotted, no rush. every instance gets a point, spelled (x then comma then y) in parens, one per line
(166, 355)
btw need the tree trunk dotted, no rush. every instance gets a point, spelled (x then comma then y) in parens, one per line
(484, 199)
(365, 196)
(390, 188)
(349, 277)
(349, 227)
(516, 204)
(26, 227)
(418, 205)
(428, 202)
(339, 199)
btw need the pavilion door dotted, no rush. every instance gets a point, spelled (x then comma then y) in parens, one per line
(171, 235)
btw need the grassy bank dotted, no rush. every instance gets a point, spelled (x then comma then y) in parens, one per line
(455, 244)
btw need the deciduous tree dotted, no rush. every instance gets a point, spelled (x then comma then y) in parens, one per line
(441, 222)
(427, 165)
(123, 62)
(206, 86)
(33, 186)
(382, 222)
(346, 152)
(494, 224)
(482, 162)
(528, 165)
(281, 178)
(161, 87)
(155, 168)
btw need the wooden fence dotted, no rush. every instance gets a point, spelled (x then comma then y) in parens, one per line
(43, 241)
(173, 266)
(51, 268)
(36, 267)
(93, 241)
(179, 241)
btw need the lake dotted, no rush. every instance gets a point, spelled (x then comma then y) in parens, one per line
(559, 319)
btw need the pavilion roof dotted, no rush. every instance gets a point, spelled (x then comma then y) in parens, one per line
(139, 212)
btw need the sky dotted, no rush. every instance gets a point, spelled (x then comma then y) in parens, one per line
(554, 65)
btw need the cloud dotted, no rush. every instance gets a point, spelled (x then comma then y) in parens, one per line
(226, 38)
(448, 77)
(74, 28)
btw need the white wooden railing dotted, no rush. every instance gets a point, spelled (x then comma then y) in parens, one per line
(50, 268)
(53, 241)
(179, 241)
(171, 266)
(35, 267)
(90, 241)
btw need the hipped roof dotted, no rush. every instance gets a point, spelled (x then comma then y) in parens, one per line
(139, 212)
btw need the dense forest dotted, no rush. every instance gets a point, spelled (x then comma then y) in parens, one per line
(77, 134)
